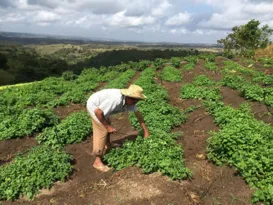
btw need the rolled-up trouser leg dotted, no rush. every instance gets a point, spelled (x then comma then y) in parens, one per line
(100, 138)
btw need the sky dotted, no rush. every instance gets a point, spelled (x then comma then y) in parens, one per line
(181, 21)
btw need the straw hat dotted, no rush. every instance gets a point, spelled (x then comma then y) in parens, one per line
(134, 91)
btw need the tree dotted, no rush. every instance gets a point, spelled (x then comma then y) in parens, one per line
(3, 62)
(245, 39)
(6, 78)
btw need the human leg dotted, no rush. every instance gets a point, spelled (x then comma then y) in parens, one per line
(100, 136)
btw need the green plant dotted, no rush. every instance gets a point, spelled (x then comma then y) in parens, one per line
(73, 129)
(245, 39)
(68, 75)
(26, 175)
(171, 74)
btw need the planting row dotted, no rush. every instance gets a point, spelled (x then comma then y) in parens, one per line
(158, 152)
(242, 141)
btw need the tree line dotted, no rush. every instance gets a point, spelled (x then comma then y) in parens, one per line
(18, 65)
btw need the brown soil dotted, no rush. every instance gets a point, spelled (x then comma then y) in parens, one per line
(210, 184)
(9, 148)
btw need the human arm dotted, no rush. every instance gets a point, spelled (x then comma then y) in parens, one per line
(142, 123)
(100, 115)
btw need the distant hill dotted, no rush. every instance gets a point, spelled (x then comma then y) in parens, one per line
(28, 38)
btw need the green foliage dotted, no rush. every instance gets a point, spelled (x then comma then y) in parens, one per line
(265, 195)
(108, 76)
(202, 80)
(25, 123)
(142, 65)
(26, 175)
(73, 129)
(248, 89)
(228, 54)
(171, 74)
(158, 62)
(25, 64)
(68, 75)
(211, 66)
(189, 66)
(192, 59)
(247, 38)
(122, 80)
(245, 143)
(265, 79)
(208, 57)
(156, 153)
(6, 78)
(176, 61)
(191, 91)
(267, 62)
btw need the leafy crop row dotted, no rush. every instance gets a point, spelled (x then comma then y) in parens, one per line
(192, 61)
(245, 143)
(242, 142)
(122, 80)
(268, 62)
(171, 74)
(176, 61)
(211, 66)
(25, 123)
(249, 90)
(158, 152)
(73, 129)
(201, 88)
(26, 175)
(257, 76)
(24, 110)
(208, 57)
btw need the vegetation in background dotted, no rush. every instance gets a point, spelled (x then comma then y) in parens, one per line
(245, 39)
(265, 52)
(25, 64)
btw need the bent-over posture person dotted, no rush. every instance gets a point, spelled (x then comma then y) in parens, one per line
(104, 103)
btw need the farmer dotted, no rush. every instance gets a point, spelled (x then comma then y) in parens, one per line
(100, 106)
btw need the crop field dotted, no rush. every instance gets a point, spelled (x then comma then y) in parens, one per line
(211, 136)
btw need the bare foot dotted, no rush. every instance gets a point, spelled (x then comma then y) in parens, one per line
(101, 167)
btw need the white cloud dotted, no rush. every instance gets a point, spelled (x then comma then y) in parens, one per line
(45, 16)
(237, 12)
(179, 19)
(179, 31)
(120, 20)
(261, 8)
(161, 9)
(203, 32)
(12, 18)
(133, 18)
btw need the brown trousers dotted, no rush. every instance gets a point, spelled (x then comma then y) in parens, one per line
(100, 138)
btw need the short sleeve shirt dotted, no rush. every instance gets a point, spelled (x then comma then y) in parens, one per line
(110, 101)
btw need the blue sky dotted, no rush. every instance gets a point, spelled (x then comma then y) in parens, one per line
(183, 21)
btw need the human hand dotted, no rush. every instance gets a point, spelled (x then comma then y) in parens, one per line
(110, 129)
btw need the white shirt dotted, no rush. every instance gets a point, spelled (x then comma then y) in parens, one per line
(110, 101)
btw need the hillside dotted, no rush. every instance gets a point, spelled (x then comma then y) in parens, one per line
(20, 64)
(211, 128)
